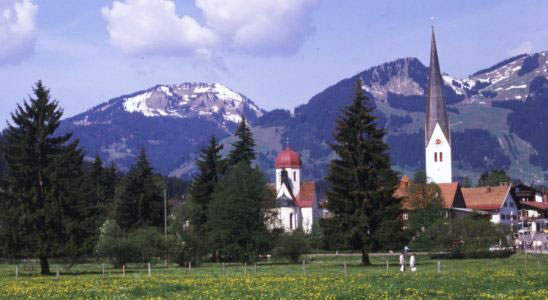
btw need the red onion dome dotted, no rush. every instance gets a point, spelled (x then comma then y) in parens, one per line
(288, 159)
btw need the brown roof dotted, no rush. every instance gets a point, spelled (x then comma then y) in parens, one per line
(307, 194)
(485, 197)
(448, 192)
(537, 205)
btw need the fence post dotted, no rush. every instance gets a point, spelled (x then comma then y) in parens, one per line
(255, 268)
(439, 266)
(57, 272)
(304, 267)
(224, 271)
(245, 268)
(345, 267)
(123, 270)
(189, 267)
(16, 272)
(386, 264)
(149, 271)
(103, 268)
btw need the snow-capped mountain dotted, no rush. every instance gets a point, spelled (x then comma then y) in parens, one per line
(507, 80)
(171, 122)
(211, 101)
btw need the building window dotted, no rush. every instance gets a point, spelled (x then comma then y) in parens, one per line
(441, 156)
(505, 204)
(503, 217)
(435, 156)
(294, 176)
(405, 216)
(511, 204)
(291, 221)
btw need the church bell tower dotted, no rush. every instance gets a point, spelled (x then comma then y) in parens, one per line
(436, 129)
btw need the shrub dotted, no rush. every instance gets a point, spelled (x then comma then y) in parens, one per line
(291, 246)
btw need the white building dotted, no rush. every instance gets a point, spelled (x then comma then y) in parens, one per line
(497, 200)
(437, 131)
(297, 204)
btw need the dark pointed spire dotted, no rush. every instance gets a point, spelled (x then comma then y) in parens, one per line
(435, 106)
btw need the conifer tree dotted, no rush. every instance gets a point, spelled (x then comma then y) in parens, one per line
(210, 167)
(102, 183)
(139, 199)
(360, 197)
(237, 215)
(44, 200)
(244, 147)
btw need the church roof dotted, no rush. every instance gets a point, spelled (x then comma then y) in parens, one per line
(435, 106)
(306, 195)
(288, 159)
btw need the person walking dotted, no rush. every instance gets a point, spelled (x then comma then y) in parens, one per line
(412, 262)
(402, 261)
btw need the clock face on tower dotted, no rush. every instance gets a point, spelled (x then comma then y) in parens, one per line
(438, 142)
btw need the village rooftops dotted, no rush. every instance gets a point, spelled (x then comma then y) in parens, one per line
(450, 193)
(486, 197)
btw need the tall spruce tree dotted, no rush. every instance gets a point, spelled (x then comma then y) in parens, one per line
(139, 199)
(102, 183)
(362, 184)
(44, 201)
(244, 147)
(210, 168)
(237, 215)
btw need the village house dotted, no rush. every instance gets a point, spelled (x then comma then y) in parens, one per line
(495, 200)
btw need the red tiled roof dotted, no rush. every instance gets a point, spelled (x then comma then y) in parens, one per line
(448, 192)
(537, 205)
(485, 197)
(306, 196)
(288, 159)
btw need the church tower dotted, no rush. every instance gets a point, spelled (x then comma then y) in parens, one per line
(436, 129)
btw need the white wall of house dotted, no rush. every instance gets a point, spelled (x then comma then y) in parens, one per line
(507, 212)
(308, 218)
(438, 158)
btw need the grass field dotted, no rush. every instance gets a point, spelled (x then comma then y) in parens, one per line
(517, 277)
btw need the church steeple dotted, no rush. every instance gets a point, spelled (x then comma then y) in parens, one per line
(435, 106)
(436, 127)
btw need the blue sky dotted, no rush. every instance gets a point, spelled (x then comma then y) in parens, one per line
(279, 53)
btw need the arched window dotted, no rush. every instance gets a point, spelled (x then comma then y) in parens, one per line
(291, 221)
(294, 175)
(441, 156)
(435, 156)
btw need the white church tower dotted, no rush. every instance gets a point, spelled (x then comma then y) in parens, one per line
(436, 129)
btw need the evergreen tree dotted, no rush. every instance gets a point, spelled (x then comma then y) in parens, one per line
(139, 200)
(244, 147)
(3, 164)
(44, 200)
(362, 184)
(237, 214)
(210, 167)
(102, 183)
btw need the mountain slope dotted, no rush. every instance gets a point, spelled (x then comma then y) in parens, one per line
(170, 121)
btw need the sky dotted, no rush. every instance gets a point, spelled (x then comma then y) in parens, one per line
(279, 53)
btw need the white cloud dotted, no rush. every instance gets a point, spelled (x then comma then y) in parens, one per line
(260, 26)
(141, 27)
(525, 47)
(251, 26)
(17, 31)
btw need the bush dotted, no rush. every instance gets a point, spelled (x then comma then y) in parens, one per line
(139, 246)
(291, 246)
(474, 254)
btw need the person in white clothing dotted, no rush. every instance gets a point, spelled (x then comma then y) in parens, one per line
(402, 261)
(412, 263)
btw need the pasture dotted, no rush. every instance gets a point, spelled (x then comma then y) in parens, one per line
(321, 277)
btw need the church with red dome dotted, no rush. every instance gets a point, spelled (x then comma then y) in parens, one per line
(297, 203)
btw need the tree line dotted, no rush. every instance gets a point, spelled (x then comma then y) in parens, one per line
(53, 204)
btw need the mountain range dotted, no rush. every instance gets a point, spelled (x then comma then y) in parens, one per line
(498, 119)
